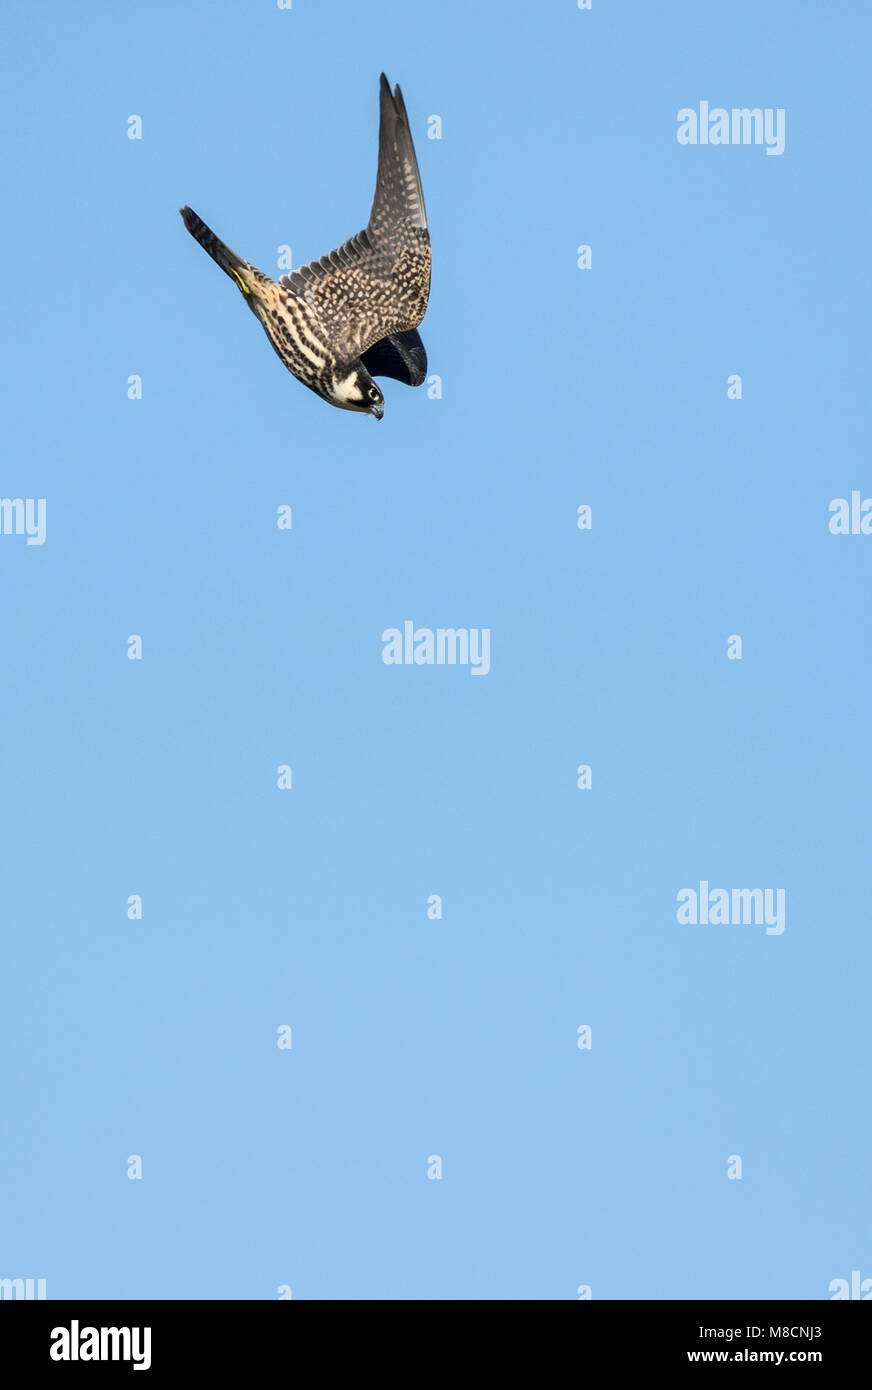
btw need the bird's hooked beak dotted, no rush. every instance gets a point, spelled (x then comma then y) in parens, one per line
(377, 410)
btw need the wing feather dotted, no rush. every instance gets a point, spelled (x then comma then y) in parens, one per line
(376, 284)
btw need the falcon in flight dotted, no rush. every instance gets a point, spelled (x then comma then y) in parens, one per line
(338, 322)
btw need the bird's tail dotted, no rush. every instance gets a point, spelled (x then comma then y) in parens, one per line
(230, 263)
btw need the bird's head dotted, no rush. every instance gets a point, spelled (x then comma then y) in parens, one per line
(355, 390)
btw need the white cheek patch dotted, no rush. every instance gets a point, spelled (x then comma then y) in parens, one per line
(348, 390)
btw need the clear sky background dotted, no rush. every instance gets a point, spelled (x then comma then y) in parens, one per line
(308, 907)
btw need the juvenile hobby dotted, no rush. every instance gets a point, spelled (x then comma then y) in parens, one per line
(352, 315)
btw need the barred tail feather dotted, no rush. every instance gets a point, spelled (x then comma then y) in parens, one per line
(228, 260)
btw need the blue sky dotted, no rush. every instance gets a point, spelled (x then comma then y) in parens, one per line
(412, 1037)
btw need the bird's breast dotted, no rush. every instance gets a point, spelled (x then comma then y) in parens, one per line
(295, 333)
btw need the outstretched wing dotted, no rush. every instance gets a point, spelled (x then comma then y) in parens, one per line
(402, 357)
(376, 285)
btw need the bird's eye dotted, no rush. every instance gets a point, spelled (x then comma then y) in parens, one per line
(373, 393)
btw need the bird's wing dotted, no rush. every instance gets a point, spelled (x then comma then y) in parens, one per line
(402, 356)
(377, 284)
